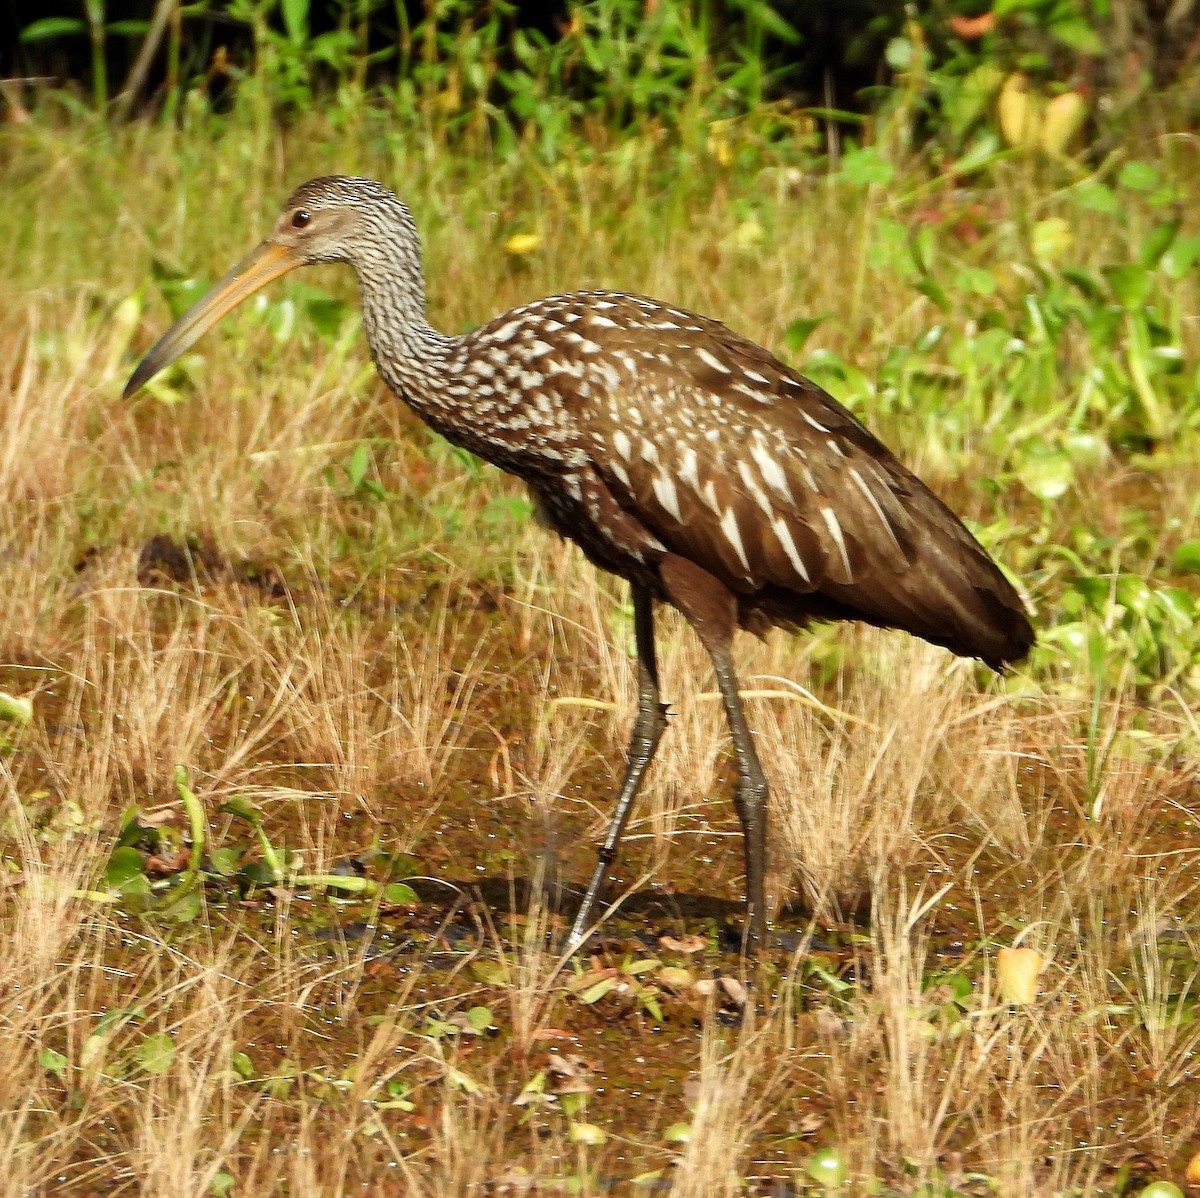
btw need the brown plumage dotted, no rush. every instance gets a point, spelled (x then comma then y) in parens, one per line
(676, 453)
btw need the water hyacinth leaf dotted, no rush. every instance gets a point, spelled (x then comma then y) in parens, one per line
(1051, 240)
(156, 1053)
(1161, 1189)
(1086, 283)
(586, 1133)
(183, 906)
(1139, 176)
(480, 1018)
(399, 894)
(801, 329)
(934, 291)
(827, 1167)
(225, 862)
(1187, 557)
(866, 166)
(1096, 197)
(1045, 470)
(1156, 243)
(1180, 256)
(15, 709)
(53, 1062)
(1086, 449)
(976, 280)
(490, 973)
(125, 872)
(1130, 284)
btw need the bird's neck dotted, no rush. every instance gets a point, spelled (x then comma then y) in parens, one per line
(409, 354)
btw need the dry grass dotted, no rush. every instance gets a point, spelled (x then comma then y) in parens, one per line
(422, 674)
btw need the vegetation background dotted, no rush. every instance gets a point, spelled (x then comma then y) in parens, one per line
(307, 730)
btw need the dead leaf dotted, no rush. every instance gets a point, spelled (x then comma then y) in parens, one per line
(688, 945)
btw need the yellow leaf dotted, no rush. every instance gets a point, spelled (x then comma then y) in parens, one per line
(523, 243)
(1018, 110)
(1063, 118)
(1192, 1176)
(1017, 970)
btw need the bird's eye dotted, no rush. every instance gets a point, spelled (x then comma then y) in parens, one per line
(300, 218)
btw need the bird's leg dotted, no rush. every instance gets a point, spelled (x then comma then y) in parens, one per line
(647, 729)
(711, 609)
(749, 796)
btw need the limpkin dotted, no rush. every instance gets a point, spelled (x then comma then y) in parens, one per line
(676, 454)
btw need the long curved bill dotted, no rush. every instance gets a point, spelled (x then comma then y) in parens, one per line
(256, 270)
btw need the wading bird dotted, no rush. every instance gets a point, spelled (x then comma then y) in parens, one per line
(675, 453)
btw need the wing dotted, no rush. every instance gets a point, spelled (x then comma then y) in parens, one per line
(734, 461)
(738, 463)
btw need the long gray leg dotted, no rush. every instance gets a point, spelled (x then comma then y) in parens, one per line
(647, 730)
(749, 796)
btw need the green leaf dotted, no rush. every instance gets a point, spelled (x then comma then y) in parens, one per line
(221, 1185)
(935, 291)
(1131, 284)
(14, 709)
(586, 1133)
(182, 906)
(1156, 243)
(243, 809)
(53, 1062)
(1139, 176)
(1095, 197)
(596, 992)
(490, 973)
(480, 1018)
(1161, 1189)
(295, 20)
(827, 1167)
(225, 862)
(1087, 284)
(358, 465)
(1051, 239)
(1180, 257)
(678, 1133)
(399, 894)
(128, 28)
(1045, 471)
(1075, 32)
(866, 166)
(125, 872)
(1187, 557)
(156, 1053)
(801, 329)
(976, 280)
(52, 27)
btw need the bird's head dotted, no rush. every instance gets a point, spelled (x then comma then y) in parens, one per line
(335, 218)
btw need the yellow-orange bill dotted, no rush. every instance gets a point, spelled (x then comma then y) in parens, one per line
(256, 270)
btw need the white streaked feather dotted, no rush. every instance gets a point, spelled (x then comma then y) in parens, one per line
(835, 531)
(733, 534)
(783, 535)
(869, 495)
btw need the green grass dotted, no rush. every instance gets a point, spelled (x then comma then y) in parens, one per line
(373, 654)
